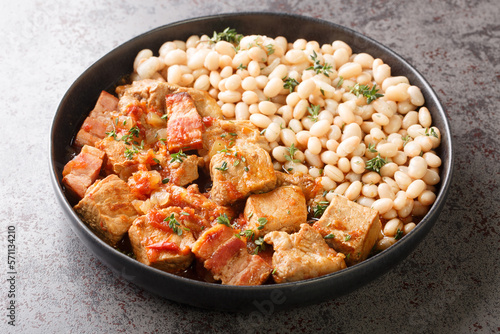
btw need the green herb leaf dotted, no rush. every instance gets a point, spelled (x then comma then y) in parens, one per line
(398, 235)
(375, 164)
(290, 83)
(313, 112)
(228, 35)
(224, 220)
(262, 222)
(223, 167)
(370, 93)
(291, 153)
(330, 236)
(177, 157)
(325, 69)
(173, 224)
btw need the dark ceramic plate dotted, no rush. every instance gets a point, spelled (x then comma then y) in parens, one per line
(107, 71)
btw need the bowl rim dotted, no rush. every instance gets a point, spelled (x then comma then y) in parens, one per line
(421, 228)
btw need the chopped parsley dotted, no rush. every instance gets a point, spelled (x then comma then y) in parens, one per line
(330, 236)
(165, 180)
(348, 237)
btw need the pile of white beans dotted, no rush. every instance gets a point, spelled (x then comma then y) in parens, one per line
(248, 83)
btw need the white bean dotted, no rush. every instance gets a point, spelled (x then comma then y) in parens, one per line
(288, 137)
(353, 191)
(417, 167)
(329, 157)
(382, 205)
(259, 120)
(272, 132)
(320, 128)
(415, 189)
(314, 145)
(333, 173)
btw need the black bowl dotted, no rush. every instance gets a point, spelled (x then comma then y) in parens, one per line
(107, 71)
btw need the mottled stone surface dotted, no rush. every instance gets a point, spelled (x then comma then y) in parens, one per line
(449, 284)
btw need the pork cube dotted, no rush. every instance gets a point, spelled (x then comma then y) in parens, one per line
(310, 186)
(349, 228)
(224, 133)
(83, 170)
(302, 255)
(282, 209)
(107, 208)
(240, 171)
(117, 161)
(161, 240)
(98, 122)
(183, 170)
(192, 198)
(225, 255)
(184, 125)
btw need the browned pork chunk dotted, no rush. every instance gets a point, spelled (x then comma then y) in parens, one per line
(225, 255)
(311, 187)
(107, 208)
(222, 133)
(302, 255)
(282, 209)
(191, 197)
(349, 228)
(151, 93)
(98, 122)
(117, 161)
(160, 239)
(184, 125)
(239, 171)
(83, 170)
(183, 170)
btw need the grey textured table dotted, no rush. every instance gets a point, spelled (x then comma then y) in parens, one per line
(449, 284)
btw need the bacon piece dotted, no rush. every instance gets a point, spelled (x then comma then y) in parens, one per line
(98, 122)
(225, 256)
(83, 170)
(184, 125)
